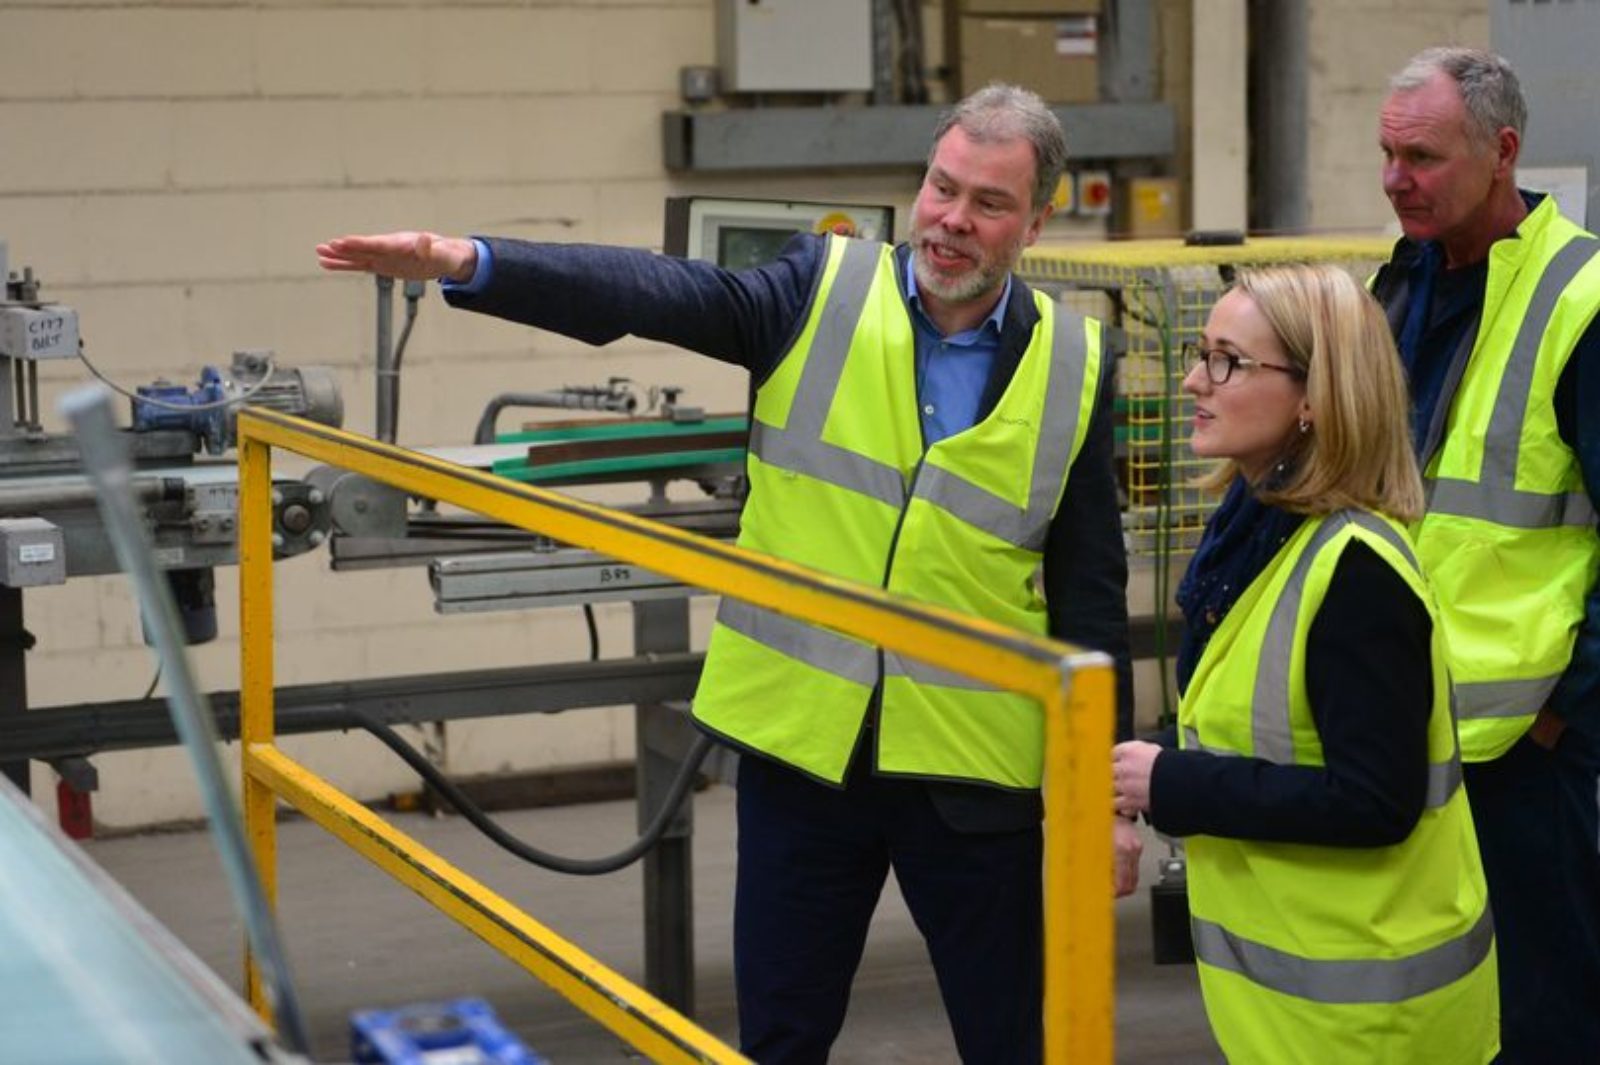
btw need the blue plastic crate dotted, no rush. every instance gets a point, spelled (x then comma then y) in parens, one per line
(464, 1031)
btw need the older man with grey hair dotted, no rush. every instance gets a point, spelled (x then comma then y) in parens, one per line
(1492, 296)
(924, 422)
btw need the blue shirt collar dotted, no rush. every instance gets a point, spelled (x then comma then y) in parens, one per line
(991, 323)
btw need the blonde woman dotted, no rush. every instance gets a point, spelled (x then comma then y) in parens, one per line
(1337, 900)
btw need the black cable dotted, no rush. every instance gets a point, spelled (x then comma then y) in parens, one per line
(507, 842)
(153, 682)
(405, 333)
(185, 408)
(594, 632)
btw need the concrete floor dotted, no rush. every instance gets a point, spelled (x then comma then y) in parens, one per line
(357, 939)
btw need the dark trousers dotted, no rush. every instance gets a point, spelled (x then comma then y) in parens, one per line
(812, 863)
(1538, 818)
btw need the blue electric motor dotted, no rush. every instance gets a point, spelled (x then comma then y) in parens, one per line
(464, 1031)
(208, 410)
(203, 412)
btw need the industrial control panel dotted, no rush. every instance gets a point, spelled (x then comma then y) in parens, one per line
(794, 45)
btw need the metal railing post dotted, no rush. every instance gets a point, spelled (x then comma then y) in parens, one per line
(256, 679)
(1079, 980)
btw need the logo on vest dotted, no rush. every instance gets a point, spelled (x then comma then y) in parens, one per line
(1020, 422)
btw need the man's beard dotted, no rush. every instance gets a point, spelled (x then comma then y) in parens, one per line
(984, 275)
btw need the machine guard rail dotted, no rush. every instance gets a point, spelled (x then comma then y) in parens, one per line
(1074, 686)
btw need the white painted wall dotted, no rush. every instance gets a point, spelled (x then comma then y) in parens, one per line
(1356, 45)
(167, 167)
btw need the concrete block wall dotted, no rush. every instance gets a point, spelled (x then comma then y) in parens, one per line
(167, 167)
(1356, 45)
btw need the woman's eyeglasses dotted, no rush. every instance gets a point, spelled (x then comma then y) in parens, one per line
(1221, 364)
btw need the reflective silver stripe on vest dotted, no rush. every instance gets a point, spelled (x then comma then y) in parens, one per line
(1270, 732)
(1503, 698)
(1345, 982)
(895, 665)
(817, 648)
(830, 344)
(828, 462)
(1508, 506)
(978, 507)
(799, 446)
(1494, 497)
(1443, 777)
(1269, 715)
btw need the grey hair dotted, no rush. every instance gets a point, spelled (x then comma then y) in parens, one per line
(999, 112)
(1488, 86)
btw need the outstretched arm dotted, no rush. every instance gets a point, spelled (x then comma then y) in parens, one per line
(408, 256)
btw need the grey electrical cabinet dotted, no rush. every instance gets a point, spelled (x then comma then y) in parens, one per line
(1552, 48)
(794, 45)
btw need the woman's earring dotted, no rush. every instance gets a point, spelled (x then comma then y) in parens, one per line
(1305, 427)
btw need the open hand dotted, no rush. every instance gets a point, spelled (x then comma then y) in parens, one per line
(409, 256)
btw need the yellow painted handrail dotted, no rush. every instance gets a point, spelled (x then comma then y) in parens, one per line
(1075, 687)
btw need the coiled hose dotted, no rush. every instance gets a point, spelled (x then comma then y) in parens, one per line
(511, 844)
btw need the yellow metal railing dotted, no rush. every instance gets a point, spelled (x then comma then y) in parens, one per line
(1075, 688)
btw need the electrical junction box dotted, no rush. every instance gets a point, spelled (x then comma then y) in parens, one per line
(1066, 194)
(794, 45)
(32, 553)
(1149, 208)
(34, 330)
(1094, 193)
(44, 331)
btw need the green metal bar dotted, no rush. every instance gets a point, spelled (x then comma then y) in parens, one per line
(623, 430)
(519, 470)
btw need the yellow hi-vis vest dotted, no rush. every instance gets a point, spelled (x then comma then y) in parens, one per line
(1319, 953)
(1509, 540)
(839, 481)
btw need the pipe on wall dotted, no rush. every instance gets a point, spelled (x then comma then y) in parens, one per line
(1278, 116)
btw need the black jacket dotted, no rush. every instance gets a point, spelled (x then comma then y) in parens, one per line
(1369, 680)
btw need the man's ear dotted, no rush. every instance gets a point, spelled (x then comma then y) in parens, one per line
(1508, 144)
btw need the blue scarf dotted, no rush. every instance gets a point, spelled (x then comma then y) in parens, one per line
(1241, 537)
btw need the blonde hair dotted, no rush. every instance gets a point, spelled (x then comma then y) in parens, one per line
(1357, 452)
